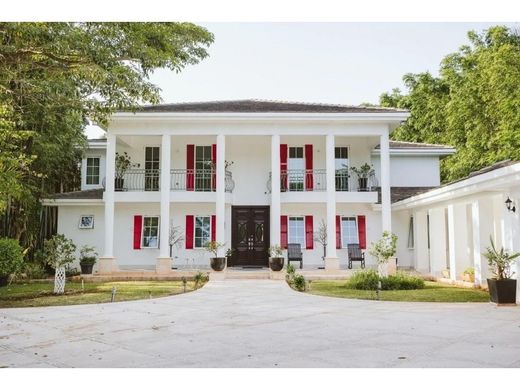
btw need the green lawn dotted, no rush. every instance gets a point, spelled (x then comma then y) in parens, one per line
(433, 292)
(41, 293)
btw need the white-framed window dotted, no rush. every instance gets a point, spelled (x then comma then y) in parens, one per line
(202, 233)
(297, 231)
(150, 232)
(341, 164)
(203, 168)
(152, 164)
(93, 168)
(411, 238)
(349, 231)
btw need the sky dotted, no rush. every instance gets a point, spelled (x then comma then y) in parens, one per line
(342, 63)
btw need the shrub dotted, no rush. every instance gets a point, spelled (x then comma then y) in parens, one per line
(290, 269)
(364, 280)
(59, 251)
(199, 279)
(11, 257)
(35, 271)
(298, 282)
(469, 271)
(402, 281)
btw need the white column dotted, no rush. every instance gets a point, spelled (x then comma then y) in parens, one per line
(165, 195)
(275, 190)
(331, 261)
(482, 221)
(107, 262)
(458, 240)
(386, 210)
(421, 252)
(220, 205)
(437, 241)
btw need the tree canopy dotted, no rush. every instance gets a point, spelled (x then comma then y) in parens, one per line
(54, 77)
(473, 105)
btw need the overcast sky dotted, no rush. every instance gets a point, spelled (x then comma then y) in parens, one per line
(344, 63)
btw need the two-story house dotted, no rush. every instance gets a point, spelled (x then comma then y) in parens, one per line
(249, 174)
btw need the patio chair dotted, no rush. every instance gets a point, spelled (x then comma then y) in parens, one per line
(355, 254)
(294, 253)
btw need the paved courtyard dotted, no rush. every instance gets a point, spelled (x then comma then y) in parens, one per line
(260, 323)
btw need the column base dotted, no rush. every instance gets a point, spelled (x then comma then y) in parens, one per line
(331, 263)
(163, 265)
(107, 265)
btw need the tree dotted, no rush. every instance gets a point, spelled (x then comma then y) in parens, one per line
(59, 251)
(54, 77)
(473, 105)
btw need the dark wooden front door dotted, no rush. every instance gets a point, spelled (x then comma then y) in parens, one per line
(250, 236)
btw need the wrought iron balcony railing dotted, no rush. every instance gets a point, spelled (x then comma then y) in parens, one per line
(180, 180)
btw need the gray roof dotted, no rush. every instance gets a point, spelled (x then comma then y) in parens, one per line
(415, 145)
(86, 194)
(264, 106)
(400, 193)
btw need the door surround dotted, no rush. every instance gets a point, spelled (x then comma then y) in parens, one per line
(250, 242)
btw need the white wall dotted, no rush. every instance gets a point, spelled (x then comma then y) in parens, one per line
(411, 171)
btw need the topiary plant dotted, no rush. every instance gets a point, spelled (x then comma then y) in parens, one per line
(11, 259)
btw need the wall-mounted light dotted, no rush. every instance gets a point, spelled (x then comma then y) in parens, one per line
(510, 206)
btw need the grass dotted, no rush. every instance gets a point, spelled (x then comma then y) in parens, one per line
(32, 294)
(432, 292)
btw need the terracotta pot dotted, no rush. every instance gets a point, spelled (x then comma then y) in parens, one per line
(502, 291)
(276, 263)
(218, 263)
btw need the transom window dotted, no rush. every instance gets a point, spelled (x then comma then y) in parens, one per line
(349, 231)
(92, 170)
(341, 166)
(150, 232)
(296, 167)
(202, 231)
(297, 231)
(203, 168)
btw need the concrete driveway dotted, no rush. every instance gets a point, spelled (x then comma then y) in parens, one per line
(260, 323)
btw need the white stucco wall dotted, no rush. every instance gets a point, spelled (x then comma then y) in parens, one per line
(411, 171)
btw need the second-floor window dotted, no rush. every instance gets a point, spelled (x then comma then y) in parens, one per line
(203, 168)
(341, 165)
(92, 177)
(296, 168)
(297, 231)
(151, 167)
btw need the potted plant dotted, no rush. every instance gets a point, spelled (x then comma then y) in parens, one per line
(229, 253)
(469, 275)
(276, 258)
(11, 259)
(123, 163)
(217, 263)
(383, 250)
(502, 288)
(87, 259)
(363, 173)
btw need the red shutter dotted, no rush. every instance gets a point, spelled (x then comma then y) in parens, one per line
(283, 231)
(190, 166)
(189, 232)
(309, 180)
(362, 231)
(338, 232)
(214, 167)
(283, 167)
(138, 226)
(213, 227)
(309, 232)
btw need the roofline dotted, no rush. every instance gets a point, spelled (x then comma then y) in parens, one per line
(418, 151)
(487, 181)
(286, 116)
(72, 202)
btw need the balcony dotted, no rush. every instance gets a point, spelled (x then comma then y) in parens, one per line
(200, 180)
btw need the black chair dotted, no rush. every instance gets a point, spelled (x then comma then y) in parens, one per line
(294, 253)
(355, 254)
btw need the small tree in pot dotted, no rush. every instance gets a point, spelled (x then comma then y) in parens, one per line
(87, 259)
(276, 258)
(321, 237)
(123, 164)
(363, 173)
(11, 259)
(217, 263)
(502, 288)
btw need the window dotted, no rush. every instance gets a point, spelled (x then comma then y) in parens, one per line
(203, 168)
(411, 239)
(296, 168)
(92, 170)
(151, 166)
(341, 166)
(202, 231)
(297, 231)
(150, 232)
(349, 231)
